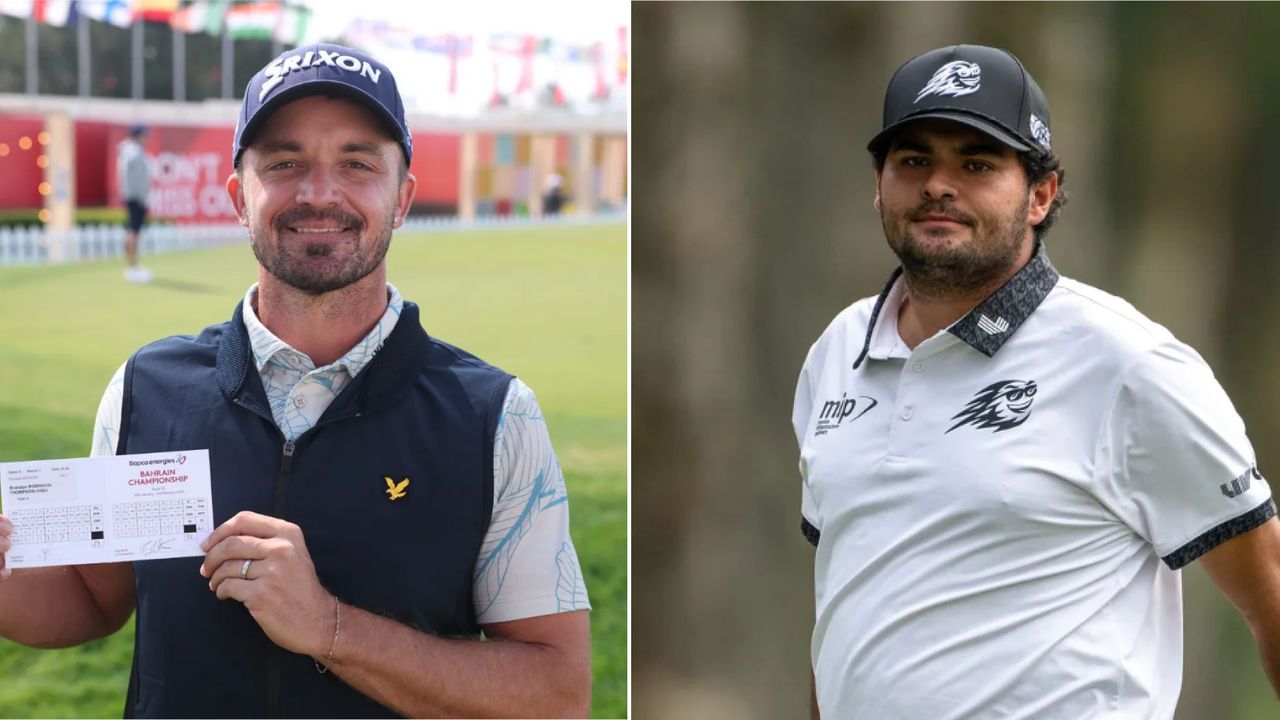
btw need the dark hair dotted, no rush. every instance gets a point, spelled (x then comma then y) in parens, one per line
(1037, 167)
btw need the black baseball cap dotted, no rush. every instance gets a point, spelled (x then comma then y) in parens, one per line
(985, 88)
(322, 69)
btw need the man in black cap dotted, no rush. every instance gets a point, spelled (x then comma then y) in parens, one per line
(392, 524)
(1003, 469)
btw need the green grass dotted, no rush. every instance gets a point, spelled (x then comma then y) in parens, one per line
(547, 304)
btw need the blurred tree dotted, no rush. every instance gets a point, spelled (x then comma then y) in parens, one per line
(111, 60)
(13, 63)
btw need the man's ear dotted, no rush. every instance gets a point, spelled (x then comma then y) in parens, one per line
(1042, 196)
(404, 198)
(236, 191)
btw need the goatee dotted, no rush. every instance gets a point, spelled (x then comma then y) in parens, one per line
(959, 270)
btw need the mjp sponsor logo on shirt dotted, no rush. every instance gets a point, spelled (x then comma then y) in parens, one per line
(835, 412)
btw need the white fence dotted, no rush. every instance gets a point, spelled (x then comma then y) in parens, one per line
(86, 243)
(34, 245)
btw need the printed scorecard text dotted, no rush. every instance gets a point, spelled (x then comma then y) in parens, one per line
(107, 509)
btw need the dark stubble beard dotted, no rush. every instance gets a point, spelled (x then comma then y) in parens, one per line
(960, 271)
(300, 275)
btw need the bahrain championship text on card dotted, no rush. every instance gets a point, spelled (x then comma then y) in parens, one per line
(107, 509)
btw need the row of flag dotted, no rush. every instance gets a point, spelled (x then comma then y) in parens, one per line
(382, 34)
(280, 21)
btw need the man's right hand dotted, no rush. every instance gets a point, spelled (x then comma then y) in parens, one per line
(6, 529)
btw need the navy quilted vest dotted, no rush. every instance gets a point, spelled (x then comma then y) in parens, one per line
(421, 410)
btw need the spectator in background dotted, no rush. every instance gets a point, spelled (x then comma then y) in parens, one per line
(553, 199)
(135, 182)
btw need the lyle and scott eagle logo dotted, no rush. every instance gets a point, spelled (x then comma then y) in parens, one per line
(954, 79)
(1002, 405)
(396, 490)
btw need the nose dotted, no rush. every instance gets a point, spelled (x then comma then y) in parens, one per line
(940, 183)
(318, 188)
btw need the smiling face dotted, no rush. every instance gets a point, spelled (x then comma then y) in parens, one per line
(956, 207)
(320, 190)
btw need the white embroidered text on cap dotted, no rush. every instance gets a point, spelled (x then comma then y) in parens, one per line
(280, 67)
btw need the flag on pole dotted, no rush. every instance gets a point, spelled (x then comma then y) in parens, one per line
(624, 62)
(154, 10)
(190, 17)
(215, 15)
(522, 46)
(455, 46)
(253, 20)
(200, 16)
(292, 25)
(52, 12)
(16, 8)
(602, 87)
(115, 12)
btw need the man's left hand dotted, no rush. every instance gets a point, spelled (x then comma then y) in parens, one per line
(280, 589)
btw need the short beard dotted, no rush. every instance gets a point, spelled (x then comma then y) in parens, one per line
(282, 266)
(960, 272)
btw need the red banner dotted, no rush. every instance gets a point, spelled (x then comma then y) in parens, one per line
(189, 169)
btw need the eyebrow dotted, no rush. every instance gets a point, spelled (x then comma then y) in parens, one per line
(274, 146)
(359, 147)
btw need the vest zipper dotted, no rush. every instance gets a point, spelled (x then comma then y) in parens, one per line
(282, 482)
(282, 486)
(277, 510)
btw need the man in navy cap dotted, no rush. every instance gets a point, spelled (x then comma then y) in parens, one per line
(392, 525)
(1004, 469)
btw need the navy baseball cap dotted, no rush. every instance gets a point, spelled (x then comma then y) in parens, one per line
(985, 88)
(322, 69)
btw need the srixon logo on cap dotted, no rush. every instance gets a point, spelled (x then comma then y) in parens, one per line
(282, 66)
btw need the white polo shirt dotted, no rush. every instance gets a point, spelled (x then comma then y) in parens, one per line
(999, 514)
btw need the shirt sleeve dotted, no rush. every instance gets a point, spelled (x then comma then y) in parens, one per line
(801, 411)
(1174, 460)
(106, 427)
(527, 564)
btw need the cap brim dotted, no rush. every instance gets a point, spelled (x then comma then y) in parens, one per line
(881, 141)
(317, 87)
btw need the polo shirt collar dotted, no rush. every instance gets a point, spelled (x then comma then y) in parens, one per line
(266, 347)
(988, 326)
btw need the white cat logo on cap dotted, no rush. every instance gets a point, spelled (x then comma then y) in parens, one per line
(282, 66)
(1040, 131)
(955, 79)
